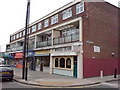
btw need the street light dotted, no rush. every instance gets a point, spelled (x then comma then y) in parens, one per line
(24, 68)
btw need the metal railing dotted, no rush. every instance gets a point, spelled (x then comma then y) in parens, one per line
(66, 39)
(43, 44)
(20, 48)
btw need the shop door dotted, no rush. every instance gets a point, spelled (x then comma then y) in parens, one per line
(75, 67)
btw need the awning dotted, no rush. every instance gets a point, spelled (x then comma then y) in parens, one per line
(31, 54)
(7, 56)
(46, 54)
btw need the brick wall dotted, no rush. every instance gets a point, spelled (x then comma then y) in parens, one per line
(100, 25)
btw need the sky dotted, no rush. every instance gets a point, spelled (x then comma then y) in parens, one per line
(13, 13)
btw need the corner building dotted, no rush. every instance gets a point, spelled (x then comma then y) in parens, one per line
(78, 40)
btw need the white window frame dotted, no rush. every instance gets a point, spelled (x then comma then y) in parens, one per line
(67, 13)
(39, 26)
(34, 28)
(20, 34)
(54, 19)
(46, 23)
(24, 33)
(17, 35)
(80, 8)
(14, 37)
(28, 32)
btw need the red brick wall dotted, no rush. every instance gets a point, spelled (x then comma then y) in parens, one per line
(100, 25)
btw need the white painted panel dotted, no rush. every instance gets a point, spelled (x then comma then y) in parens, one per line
(63, 72)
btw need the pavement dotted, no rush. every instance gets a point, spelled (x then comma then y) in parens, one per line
(44, 79)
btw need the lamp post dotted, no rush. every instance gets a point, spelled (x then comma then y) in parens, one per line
(24, 69)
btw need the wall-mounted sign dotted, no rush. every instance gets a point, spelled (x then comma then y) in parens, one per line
(96, 49)
(68, 48)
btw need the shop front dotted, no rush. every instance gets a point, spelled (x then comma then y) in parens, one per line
(18, 59)
(7, 58)
(42, 60)
(31, 60)
(66, 61)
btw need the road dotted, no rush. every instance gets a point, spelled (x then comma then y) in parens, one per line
(14, 84)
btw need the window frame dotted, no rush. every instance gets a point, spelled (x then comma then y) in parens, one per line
(67, 13)
(46, 23)
(54, 19)
(78, 8)
(33, 28)
(65, 58)
(39, 26)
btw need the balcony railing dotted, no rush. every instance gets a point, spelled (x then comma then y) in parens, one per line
(66, 39)
(31, 46)
(13, 49)
(43, 44)
(8, 50)
(19, 48)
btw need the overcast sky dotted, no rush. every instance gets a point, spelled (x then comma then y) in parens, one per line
(13, 12)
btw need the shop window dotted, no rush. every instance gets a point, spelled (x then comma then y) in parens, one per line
(62, 63)
(68, 63)
(56, 62)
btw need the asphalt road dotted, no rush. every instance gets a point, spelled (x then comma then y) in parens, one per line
(13, 84)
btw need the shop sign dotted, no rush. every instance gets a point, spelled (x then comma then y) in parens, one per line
(73, 48)
(42, 52)
(18, 55)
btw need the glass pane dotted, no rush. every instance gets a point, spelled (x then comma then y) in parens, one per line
(68, 63)
(56, 62)
(62, 63)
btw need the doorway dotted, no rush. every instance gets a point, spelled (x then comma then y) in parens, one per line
(75, 67)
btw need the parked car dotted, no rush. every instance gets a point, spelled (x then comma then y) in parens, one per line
(6, 72)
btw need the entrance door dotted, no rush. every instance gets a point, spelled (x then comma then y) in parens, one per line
(75, 67)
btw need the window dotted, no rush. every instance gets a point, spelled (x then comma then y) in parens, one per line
(28, 31)
(14, 37)
(46, 23)
(56, 62)
(34, 28)
(39, 26)
(20, 34)
(17, 36)
(24, 33)
(80, 8)
(54, 19)
(68, 63)
(67, 13)
(62, 62)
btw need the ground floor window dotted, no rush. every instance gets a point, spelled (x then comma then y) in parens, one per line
(56, 62)
(68, 63)
(63, 62)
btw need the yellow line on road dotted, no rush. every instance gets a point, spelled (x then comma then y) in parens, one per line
(60, 87)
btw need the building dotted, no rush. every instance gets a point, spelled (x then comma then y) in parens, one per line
(79, 40)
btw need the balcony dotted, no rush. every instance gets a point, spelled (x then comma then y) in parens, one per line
(43, 44)
(31, 46)
(8, 50)
(13, 49)
(66, 39)
(20, 48)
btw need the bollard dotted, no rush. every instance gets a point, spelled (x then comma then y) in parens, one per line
(115, 73)
(101, 74)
